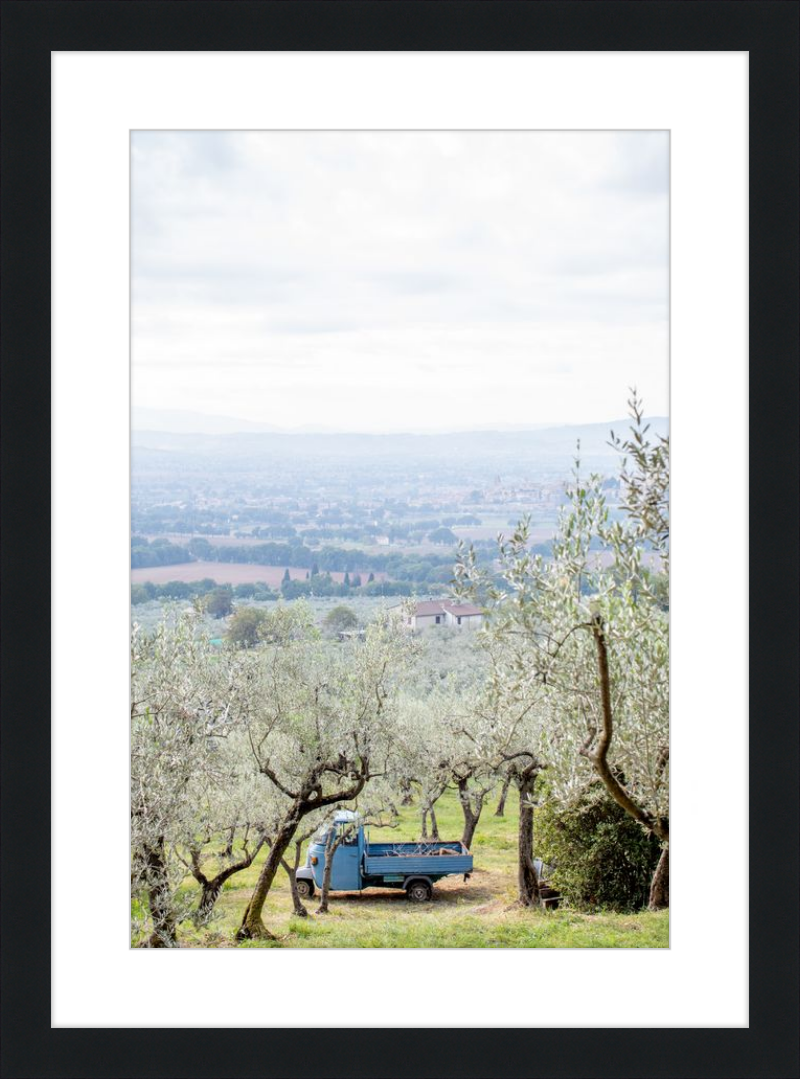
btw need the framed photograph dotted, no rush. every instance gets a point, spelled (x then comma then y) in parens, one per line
(413, 337)
(339, 289)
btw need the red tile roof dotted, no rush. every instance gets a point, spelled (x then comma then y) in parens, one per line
(432, 607)
(465, 609)
(429, 607)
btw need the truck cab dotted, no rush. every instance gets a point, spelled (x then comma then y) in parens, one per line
(346, 868)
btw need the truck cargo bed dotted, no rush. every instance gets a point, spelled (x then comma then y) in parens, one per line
(426, 859)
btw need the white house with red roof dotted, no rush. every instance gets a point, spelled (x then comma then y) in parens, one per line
(444, 612)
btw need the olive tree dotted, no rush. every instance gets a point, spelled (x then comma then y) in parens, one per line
(320, 719)
(229, 802)
(585, 636)
(182, 698)
(444, 740)
(472, 739)
(423, 760)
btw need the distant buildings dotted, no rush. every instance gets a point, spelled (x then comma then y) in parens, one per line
(436, 612)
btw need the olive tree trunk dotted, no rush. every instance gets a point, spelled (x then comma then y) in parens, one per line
(297, 904)
(434, 823)
(228, 851)
(659, 886)
(332, 844)
(428, 811)
(528, 882)
(159, 898)
(212, 887)
(501, 805)
(470, 819)
(598, 756)
(252, 927)
(471, 806)
(305, 801)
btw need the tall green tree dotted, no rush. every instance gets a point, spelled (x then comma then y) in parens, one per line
(219, 602)
(584, 635)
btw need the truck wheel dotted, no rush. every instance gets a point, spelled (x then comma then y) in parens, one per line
(305, 888)
(419, 891)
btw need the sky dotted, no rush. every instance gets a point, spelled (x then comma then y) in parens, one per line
(400, 281)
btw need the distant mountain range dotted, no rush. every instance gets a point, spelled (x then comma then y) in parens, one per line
(225, 432)
(180, 422)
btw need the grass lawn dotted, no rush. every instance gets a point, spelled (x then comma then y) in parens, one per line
(478, 913)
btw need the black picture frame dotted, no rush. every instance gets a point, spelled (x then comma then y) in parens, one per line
(768, 30)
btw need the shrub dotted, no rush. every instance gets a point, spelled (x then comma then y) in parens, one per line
(339, 620)
(602, 857)
(219, 603)
(244, 627)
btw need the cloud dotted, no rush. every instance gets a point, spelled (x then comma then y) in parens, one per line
(388, 256)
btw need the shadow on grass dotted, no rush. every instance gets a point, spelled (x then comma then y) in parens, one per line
(384, 897)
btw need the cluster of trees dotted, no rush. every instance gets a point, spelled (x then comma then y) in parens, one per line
(253, 748)
(199, 590)
(251, 626)
(256, 746)
(399, 566)
(259, 592)
(157, 552)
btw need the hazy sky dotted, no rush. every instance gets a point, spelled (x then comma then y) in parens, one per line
(400, 281)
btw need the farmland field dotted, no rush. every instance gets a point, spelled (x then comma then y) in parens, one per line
(478, 913)
(228, 573)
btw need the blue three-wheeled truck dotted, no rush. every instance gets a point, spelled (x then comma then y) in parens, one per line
(359, 864)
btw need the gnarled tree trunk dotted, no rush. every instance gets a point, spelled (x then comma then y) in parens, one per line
(434, 823)
(291, 872)
(252, 927)
(598, 756)
(211, 888)
(304, 801)
(470, 817)
(159, 898)
(429, 812)
(527, 880)
(472, 803)
(659, 886)
(331, 846)
(310, 798)
(228, 852)
(501, 805)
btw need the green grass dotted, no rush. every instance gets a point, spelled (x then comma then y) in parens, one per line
(478, 913)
